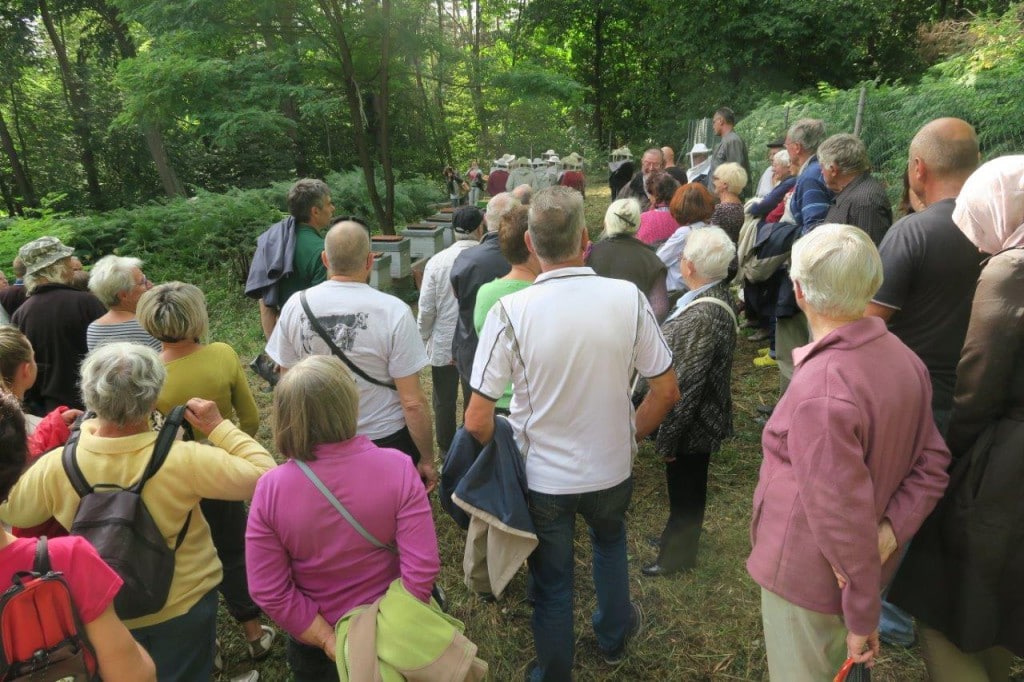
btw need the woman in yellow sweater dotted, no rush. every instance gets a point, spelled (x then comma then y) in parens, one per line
(120, 383)
(175, 314)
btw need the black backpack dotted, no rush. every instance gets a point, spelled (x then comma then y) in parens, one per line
(120, 527)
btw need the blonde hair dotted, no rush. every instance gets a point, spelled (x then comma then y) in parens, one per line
(733, 175)
(838, 269)
(15, 350)
(315, 402)
(174, 311)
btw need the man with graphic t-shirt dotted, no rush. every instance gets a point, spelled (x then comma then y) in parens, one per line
(378, 335)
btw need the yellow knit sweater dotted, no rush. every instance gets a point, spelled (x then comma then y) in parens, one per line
(191, 472)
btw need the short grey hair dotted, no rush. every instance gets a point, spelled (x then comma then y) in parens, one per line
(57, 273)
(838, 269)
(781, 158)
(304, 195)
(111, 276)
(808, 133)
(121, 381)
(711, 251)
(846, 152)
(497, 207)
(556, 223)
(622, 217)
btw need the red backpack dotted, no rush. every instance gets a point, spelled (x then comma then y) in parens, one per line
(43, 637)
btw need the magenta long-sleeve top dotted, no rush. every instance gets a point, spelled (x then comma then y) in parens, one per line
(303, 557)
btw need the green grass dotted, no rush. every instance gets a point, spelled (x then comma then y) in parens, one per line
(704, 625)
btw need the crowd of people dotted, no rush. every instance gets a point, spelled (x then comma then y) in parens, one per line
(519, 176)
(888, 490)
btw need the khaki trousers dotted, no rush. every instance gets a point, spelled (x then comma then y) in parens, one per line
(790, 333)
(946, 663)
(803, 645)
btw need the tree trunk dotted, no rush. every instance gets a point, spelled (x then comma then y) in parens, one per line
(335, 16)
(478, 75)
(78, 105)
(383, 104)
(599, 17)
(21, 179)
(5, 192)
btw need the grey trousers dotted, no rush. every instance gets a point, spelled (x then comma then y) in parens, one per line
(790, 333)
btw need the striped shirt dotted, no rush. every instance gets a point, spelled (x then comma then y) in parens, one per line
(130, 332)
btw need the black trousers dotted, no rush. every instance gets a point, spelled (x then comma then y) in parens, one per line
(309, 663)
(446, 394)
(400, 440)
(227, 528)
(687, 480)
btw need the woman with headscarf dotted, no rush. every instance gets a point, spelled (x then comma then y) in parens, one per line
(963, 577)
(620, 255)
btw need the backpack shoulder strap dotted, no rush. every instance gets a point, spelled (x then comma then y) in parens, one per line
(338, 353)
(42, 562)
(165, 439)
(71, 468)
(336, 503)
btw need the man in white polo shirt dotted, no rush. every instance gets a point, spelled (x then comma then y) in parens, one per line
(570, 344)
(376, 332)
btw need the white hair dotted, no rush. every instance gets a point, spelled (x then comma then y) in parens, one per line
(710, 250)
(111, 276)
(121, 381)
(781, 157)
(622, 217)
(838, 269)
(497, 207)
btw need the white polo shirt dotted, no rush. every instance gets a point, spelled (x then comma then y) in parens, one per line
(570, 344)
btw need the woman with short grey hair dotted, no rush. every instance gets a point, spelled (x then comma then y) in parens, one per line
(702, 335)
(118, 282)
(120, 383)
(852, 464)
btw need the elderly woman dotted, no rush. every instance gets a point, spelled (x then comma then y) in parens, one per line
(175, 313)
(119, 283)
(853, 463)
(621, 255)
(692, 206)
(728, 180)
(91, 582)
(964, 575)
(702, 335)
(783, 181)
(657, 223)
(308, 565)
(120, 384)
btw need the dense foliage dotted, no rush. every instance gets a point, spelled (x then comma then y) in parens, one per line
(110, 103)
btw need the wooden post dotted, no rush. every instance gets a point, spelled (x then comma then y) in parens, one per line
(860, 111)
(785, 120)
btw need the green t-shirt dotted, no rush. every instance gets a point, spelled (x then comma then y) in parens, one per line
(309, 270)
(486, 297)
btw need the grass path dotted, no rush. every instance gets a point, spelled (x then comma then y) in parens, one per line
(702, 626)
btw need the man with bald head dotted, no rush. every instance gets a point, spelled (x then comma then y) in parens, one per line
(670, 165)
(930, 271)
(377, 335)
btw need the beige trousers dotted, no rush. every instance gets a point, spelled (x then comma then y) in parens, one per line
(803, 645)
(790, 333)
(946, 663)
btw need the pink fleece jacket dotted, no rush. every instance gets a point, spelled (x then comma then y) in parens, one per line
(852, 441)
(303, 557)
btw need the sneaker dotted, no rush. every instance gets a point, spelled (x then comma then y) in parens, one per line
(251, 676)
(759, 335)
(260, 649)
(763, 351)
(265, 368)
(218, 659)
(765, 361)
(635, 628)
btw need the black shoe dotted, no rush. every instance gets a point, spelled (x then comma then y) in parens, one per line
(635, 628)
(265, 368)
(656, 570)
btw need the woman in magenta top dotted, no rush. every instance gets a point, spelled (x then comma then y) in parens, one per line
(307, 565)
(657, 224)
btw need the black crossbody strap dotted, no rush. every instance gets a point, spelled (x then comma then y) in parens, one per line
(42, 561)
(338, 353)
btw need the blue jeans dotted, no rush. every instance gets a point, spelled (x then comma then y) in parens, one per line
(182, 647)
(551, 569)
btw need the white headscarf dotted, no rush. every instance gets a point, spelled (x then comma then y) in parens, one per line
(990, 208)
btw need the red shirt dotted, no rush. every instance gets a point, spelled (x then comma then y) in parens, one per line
(93, 584)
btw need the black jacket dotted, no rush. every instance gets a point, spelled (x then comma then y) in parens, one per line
(472, 269)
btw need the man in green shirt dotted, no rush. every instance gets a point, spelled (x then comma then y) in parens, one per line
(309, 203)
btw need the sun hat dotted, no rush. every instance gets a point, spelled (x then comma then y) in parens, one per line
(42, 253)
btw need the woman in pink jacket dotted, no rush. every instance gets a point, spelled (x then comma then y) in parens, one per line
(852, 465)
